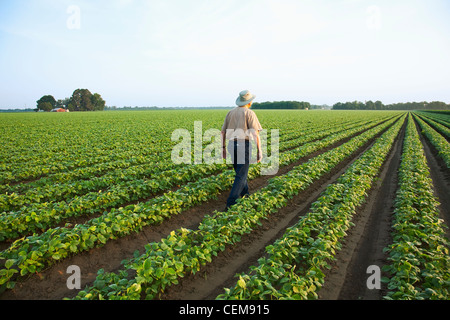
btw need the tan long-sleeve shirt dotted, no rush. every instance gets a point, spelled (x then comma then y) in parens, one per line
(241, 123)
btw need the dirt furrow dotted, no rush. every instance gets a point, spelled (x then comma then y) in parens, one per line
(210, 281)
(364, 244)
(440, 176)
(51, 283)
(363, 247)
(84, 218)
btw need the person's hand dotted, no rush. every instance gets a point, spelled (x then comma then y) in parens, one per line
(224, 153)
(259, 156)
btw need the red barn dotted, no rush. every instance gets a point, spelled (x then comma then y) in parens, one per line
(60, 110)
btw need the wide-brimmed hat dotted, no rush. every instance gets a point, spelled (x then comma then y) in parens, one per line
(245, 97)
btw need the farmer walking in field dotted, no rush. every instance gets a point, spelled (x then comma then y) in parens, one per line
(241, 126)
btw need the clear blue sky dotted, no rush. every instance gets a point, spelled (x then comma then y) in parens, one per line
(204, 52)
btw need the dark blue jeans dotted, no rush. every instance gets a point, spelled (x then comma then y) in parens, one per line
(240, 152)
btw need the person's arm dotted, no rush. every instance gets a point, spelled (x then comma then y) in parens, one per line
(224, 137)
(224, 142)
(258, 144)
(254, 126)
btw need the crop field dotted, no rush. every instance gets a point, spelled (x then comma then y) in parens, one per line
(93, 207)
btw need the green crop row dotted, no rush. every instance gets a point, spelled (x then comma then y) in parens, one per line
(439, 118)
(37, 146)
(294, 265)
(97, 149)
(80, 173)
(30, 170)
(64, 185)
(47, 190)
(185, 251)
(437, 140)
(41, 216)
(442, 129)
(32, 152)
(36, 252)
(419, 255)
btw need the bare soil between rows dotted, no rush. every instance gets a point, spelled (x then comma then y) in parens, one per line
(345, 281)
(440, 175)
(50, 284)
(83, 218)
(213, 278)
(363, 247)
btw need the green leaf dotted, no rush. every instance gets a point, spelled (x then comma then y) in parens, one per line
(9, 263)
(241, 283)
(171, 271)
(159, 272)
(147, 264)
(10, 285)
(179, 266)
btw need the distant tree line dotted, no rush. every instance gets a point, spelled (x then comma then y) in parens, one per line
(81, 100)
(378, 105)
(282, 105)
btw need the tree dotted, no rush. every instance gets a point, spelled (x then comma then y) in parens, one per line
(379, 105)
(81, 100)
(97, 102)
(370, 105)
(436, 105)
(46, 106)
(281, 105)
(46, 103)
(63, 103)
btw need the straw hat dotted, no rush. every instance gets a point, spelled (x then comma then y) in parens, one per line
(245, 97)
